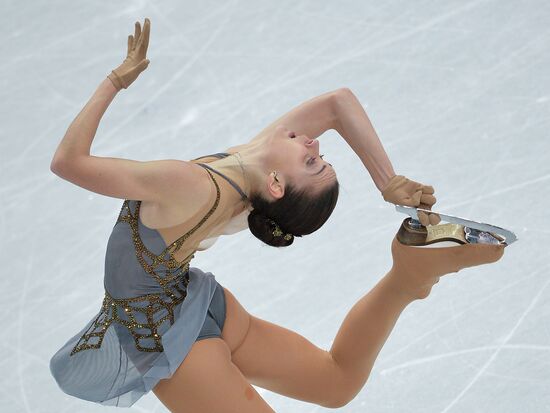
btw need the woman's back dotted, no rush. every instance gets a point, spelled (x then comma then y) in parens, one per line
(154, 307)
(170, 224)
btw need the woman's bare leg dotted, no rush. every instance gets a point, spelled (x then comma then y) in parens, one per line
(208, 382)
(281, 360)
(415, 271)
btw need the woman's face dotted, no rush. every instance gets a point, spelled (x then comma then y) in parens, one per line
(296, 157)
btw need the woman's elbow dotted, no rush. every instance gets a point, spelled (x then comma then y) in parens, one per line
(58, 165)
(54, 167)
(343, 92)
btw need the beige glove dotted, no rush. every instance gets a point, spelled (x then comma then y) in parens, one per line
(403, 191)
(135, 61)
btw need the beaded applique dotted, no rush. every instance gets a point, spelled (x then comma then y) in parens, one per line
(137, 315)
(140, 314)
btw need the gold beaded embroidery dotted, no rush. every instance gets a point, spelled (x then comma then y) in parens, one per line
(137, 315)
(140, 312)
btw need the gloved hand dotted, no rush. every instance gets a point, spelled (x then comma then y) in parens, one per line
(135, 61)
(403, 191)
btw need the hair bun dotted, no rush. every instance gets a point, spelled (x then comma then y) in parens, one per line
(265, 228)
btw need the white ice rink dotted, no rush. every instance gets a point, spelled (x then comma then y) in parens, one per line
(459, 93)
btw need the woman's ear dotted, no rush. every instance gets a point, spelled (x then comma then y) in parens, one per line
(275, 185)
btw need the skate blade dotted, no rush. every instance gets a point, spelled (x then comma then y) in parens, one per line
(505, 237)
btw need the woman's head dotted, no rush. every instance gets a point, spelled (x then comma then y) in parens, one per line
(300, 192)
(297, 160)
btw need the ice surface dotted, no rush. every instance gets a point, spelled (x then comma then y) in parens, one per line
(459, 93)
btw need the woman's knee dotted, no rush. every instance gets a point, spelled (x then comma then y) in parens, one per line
(345, 390)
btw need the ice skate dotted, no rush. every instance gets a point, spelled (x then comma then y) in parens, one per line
(413, 233)
(421, 255)
(458, 231)
(444, 249)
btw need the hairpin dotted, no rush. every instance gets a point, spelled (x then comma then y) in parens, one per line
(278, 232)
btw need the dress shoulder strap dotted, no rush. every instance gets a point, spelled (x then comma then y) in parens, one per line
(176, 245)
(218, 155)
(237, 188)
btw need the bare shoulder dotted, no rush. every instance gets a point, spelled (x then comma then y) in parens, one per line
(193, 188)
(192, 193)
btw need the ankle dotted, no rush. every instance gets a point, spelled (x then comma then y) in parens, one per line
(398, 285)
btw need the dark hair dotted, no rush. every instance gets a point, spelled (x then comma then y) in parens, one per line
(298, 212)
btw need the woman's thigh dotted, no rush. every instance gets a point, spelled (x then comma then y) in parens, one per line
(207, 381)
(280, 360)
(283, 361)
(237, 322)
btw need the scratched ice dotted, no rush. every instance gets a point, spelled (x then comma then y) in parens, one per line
(459, 94)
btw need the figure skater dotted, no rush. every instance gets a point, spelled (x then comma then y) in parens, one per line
(171, 328)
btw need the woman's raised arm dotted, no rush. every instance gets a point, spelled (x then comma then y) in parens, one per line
(312, 117)
(339, 110)
(78, 138)
(355, 127)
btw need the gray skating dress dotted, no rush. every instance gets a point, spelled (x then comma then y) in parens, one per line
(153, 310)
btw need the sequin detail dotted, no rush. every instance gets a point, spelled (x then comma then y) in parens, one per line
(140, 315)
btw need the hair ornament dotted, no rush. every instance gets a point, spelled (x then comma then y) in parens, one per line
(277, 232)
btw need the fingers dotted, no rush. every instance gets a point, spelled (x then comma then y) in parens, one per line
(130, 44)
(426, 203)
(427, 218)
(427, 189)
(146, 31)
(415, 199)
(427, 199)
(403, 191)
(434, 219)
(137, 31)
(423, 218)
(139, 42)
(143, 41)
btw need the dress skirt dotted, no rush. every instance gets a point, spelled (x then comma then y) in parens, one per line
(114, 371)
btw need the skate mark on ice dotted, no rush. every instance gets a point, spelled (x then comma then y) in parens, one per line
(495, 354)
(459, 314)
(424, 360)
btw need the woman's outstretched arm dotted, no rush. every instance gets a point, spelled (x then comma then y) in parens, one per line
(313, 117)
(116, 177)
(341, 111)
(121, 178)
(78, 138)
(355, 127)
(81, 132)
